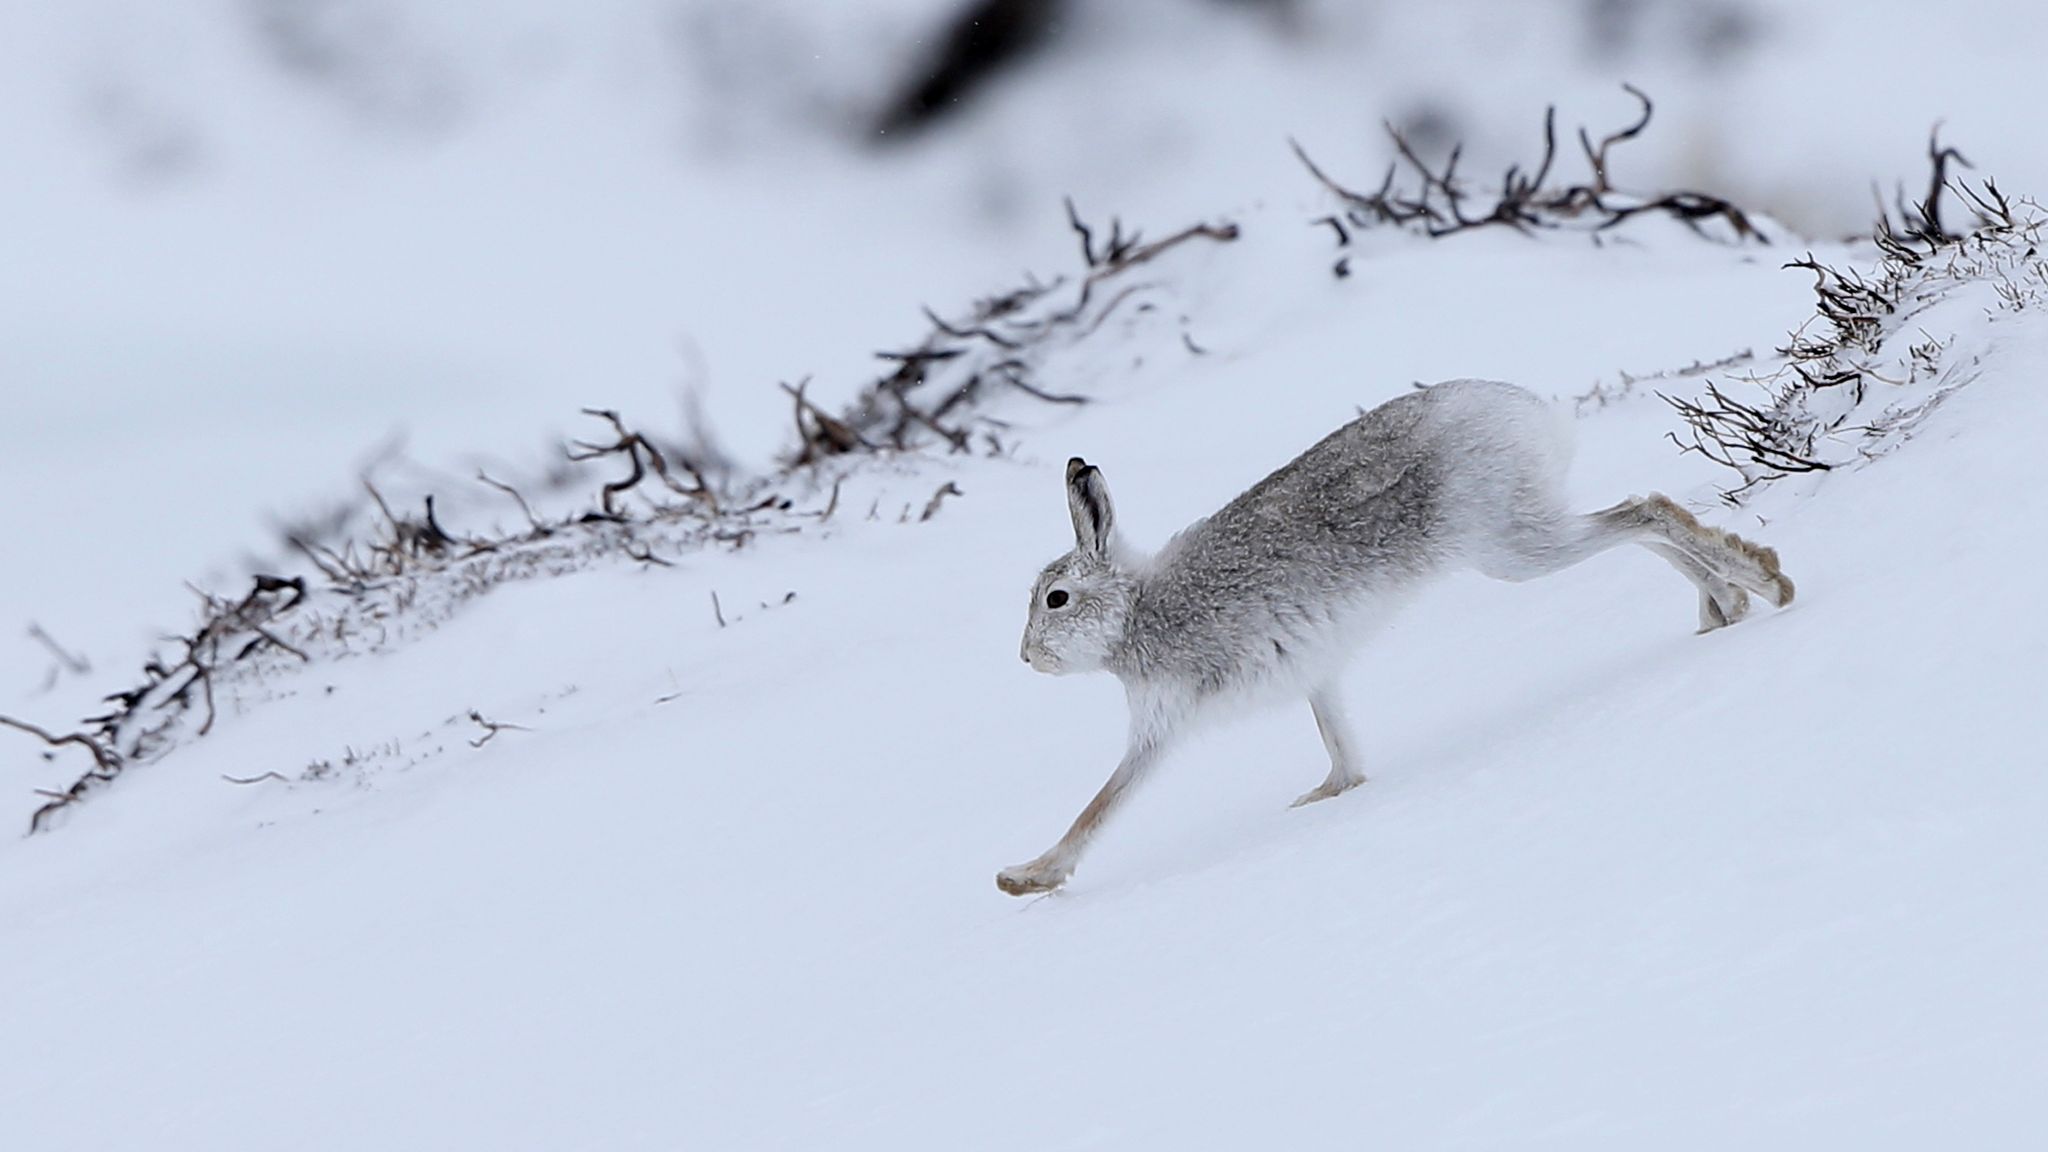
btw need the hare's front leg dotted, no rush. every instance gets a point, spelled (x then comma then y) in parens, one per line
(1338, 740)
(1051, 870)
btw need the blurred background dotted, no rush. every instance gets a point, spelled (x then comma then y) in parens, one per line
(248, 247)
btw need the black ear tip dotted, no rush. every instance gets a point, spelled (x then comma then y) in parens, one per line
(1075, 467)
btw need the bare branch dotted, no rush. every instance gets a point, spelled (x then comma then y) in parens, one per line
(1596, 156)
(1081, 230)
(645, 555)
(77, 665)
(491, 728)
(1437, 205)
(642, 457)
(931, 508)
(539, 529)
(107, 761)
(972, 331)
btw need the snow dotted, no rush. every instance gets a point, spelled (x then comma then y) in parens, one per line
(729, 883)
(1611, 884)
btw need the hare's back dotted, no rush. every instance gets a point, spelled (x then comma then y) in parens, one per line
(1396, 491)
(1286, 576)
(1440, 434)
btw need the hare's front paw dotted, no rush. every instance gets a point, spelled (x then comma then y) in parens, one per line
(1025, 879)
(1327, 790)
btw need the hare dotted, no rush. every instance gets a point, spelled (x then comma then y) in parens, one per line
(1267, 599)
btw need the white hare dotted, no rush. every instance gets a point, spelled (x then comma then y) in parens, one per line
(1268, 598)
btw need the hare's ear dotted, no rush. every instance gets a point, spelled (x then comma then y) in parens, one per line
(1088, 500)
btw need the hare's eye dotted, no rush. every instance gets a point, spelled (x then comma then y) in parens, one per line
(1057, 598)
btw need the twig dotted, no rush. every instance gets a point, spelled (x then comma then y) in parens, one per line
(491, 728)
(75, 664)
(956, 437)
(1596, 156)
(838, 437)
(108, 762)
(1011, 372)
(340, 571)
(539, 529)
(981, 331)
(255, 779)
(642, 456)
(266, 634)
(203, 670)
(1087, 238)
(717, 612)
(644, 553)
(673, 683)
(1929, 207)
(931, 508)
(1131, 255)
(381, 505)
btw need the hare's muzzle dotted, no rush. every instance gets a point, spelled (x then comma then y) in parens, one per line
(1039, 661)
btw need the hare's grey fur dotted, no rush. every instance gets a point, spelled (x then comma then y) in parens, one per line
(1269, 597)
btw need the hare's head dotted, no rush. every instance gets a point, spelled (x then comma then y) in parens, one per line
(1078, 603)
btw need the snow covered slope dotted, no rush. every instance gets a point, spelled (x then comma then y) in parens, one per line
(258, 239)
(728, 884)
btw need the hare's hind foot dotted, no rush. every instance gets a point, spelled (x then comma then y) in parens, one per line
(1778, 587)
(1725, 568)
(1742, 562)
(1722, 607)
(1721, 603)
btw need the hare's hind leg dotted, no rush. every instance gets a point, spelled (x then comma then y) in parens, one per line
(1692, 547)
(1339, 742)
(1541, 538)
